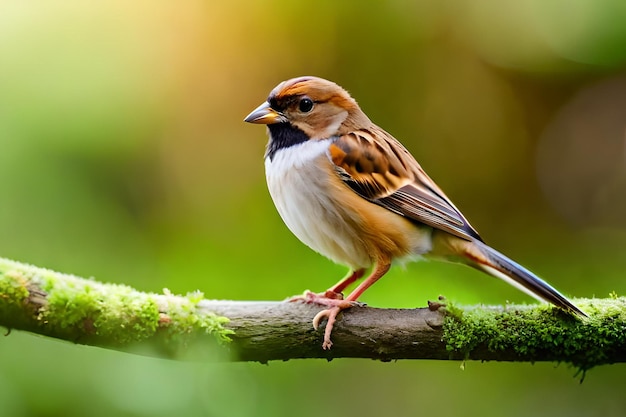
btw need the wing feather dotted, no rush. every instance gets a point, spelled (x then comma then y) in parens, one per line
(378, 168)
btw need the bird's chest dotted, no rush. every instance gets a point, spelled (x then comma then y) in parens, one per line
(303, 186)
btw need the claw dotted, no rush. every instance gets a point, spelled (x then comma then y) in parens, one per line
(330, 314)
(333, 298)
(335, 303)
(319, 317)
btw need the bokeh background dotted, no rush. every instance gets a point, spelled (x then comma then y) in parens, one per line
(123, 156)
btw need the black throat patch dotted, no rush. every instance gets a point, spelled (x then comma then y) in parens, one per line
(283, 135)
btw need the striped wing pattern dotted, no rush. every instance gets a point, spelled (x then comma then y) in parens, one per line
(385, 173)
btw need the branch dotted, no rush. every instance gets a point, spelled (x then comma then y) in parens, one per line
(117, 317)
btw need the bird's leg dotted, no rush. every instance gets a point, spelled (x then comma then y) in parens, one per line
(336, 306)
(341, 285)
(333, 293)
(336, 292)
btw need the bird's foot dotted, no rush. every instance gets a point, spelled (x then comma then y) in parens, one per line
(330, 314)
(321, 298)
(335, 303)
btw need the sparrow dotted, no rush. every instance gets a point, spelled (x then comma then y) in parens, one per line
(351, 192)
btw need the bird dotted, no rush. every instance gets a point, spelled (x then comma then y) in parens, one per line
(352, 192)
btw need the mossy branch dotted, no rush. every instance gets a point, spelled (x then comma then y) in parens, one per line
(114, 316)
(117, 317)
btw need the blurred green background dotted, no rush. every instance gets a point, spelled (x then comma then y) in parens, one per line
(123, 156)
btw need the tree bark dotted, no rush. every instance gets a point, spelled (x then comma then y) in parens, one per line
(165, 325)
(265, 331)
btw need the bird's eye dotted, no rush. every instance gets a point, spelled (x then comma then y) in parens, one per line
(306, 105)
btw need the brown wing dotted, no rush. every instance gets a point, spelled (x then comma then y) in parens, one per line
(385, 173)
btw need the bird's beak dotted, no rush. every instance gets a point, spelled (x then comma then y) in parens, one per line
(265, 115)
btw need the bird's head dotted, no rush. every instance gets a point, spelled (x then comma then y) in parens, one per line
(315, 106)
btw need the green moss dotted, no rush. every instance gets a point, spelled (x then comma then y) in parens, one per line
(185, 324)
(13, 292)
(86, 311)
(540, 333)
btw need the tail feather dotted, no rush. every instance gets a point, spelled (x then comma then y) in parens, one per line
(494, 263)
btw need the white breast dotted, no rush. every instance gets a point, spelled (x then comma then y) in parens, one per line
(299, 188)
